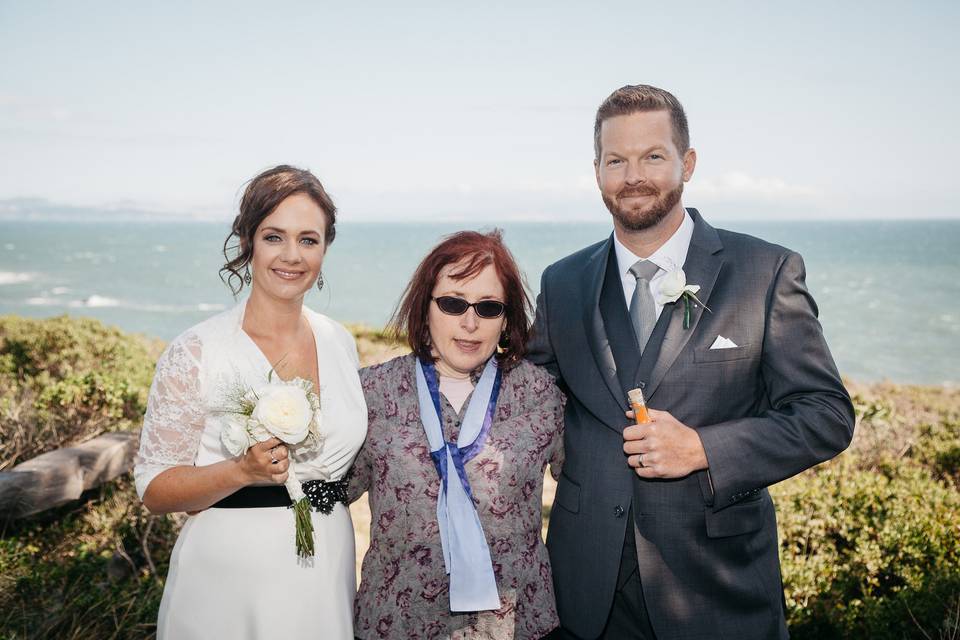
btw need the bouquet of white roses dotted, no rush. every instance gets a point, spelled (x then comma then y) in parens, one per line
(289, 411)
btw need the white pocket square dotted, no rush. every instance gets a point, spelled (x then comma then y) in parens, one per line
(723, 343)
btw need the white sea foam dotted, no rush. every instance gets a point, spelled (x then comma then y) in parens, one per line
(40, 301)
(96, 301)
(90, 256)
(14, 277)
(178, 308)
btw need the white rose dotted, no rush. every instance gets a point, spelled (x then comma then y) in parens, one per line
(673, 285)
(234, 435)
(285, 411)
(258, 432)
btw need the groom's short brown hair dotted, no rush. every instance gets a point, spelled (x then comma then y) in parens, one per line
(633, 98)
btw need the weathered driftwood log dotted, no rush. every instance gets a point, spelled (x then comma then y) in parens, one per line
(60, 476)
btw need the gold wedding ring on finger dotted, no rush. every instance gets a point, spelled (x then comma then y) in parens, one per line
(640, 460)
(273, 457)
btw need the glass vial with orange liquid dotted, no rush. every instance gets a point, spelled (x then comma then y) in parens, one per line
(639, 406)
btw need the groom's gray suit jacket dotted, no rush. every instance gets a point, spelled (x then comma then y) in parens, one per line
(765, 410)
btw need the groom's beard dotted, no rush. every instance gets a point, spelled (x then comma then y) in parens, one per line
(640, 218)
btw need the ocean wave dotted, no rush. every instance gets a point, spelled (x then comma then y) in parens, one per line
(206, 306)
(178, 308)
(40, 301)
(104, 302)
(95, 302)
(15, 277)
(90, 256)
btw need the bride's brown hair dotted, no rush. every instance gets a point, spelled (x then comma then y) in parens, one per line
(262, 195)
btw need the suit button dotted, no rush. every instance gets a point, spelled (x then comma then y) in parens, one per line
(618, 511)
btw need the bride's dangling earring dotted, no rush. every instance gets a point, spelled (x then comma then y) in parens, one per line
(320, 282)
(247, 277)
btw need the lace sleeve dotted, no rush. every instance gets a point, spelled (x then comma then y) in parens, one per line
(174, 420)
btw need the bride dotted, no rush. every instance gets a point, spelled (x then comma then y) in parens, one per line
(235, 571)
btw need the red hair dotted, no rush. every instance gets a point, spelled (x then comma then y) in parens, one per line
(476, 251)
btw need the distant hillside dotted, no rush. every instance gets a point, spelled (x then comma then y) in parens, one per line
(41, 210)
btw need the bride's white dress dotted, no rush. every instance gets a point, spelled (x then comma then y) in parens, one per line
(234, 573)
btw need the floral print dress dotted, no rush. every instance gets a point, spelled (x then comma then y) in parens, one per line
(404, 587)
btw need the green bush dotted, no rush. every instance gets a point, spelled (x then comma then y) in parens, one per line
(91, 397)
(868, 554)
(55, 348)
(89, 570)
(896, 421)
(938, 448)
(64, 380)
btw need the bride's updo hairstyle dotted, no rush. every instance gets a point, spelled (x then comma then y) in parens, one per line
(261, 197)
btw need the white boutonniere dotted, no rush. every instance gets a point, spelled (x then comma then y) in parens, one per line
(673, 286)
(288, 410)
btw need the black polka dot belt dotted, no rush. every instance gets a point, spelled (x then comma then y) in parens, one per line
(322, 495)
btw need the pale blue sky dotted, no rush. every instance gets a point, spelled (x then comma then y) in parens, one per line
(478, 111)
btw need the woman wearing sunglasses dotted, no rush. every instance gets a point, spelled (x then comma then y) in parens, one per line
(460, 432)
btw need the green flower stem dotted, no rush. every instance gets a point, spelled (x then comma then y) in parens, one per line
(301, 509)
(686, 311)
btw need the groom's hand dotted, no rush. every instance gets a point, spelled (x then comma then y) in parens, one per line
(663, 448)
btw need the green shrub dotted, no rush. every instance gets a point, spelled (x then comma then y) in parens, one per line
(938, 448)
(55, 348)
(94, 569)
(64, 380)
(868, 554)
(897, 421)
(93, 398)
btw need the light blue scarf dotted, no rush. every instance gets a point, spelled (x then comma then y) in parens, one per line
(473, 586)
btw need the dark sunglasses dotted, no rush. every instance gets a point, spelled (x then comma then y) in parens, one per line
(458, 306)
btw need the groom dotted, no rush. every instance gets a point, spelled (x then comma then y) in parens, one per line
(666, 530)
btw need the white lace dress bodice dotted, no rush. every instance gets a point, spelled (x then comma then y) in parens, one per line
(201, 369)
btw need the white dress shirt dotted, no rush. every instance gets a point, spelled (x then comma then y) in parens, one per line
(671, 255)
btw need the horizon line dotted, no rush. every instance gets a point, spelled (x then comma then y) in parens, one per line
(174, 219)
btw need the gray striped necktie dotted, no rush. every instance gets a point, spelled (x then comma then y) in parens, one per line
(643, 310)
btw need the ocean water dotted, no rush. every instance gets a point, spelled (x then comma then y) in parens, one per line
(888, 291)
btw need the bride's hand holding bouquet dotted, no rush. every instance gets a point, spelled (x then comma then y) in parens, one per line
(265, 462)
(268, 420)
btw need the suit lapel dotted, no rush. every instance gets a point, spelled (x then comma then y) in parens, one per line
(619, 329)
(592, 285)
(702, 267)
